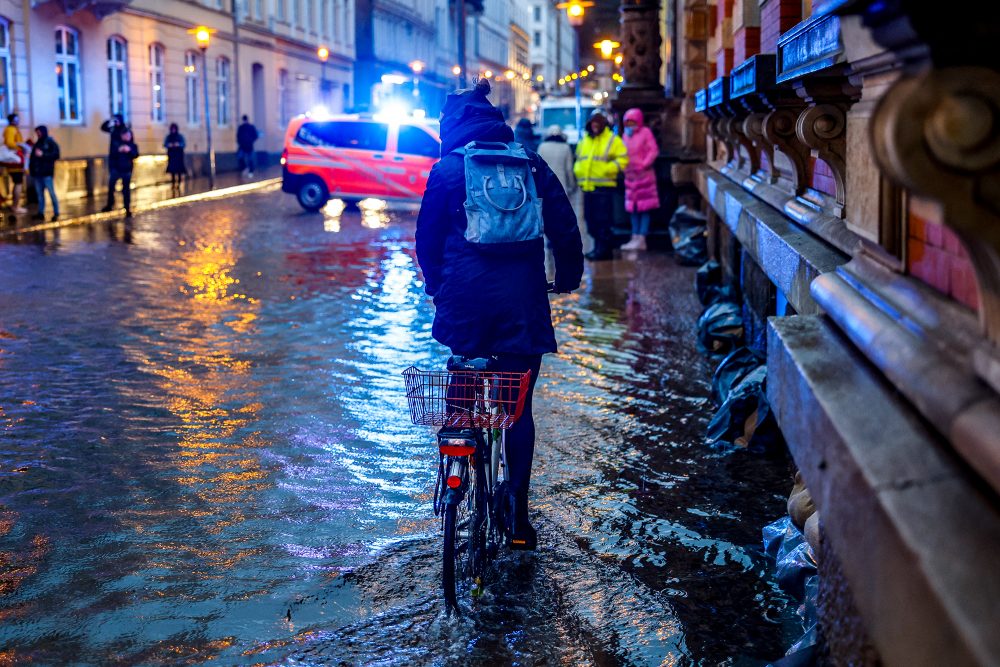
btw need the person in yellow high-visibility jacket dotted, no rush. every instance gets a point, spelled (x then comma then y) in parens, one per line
(600, 157)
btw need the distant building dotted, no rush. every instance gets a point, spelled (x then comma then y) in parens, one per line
(551, 46)
(71, 65)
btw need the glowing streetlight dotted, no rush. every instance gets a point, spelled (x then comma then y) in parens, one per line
(618, 59)
(606, 47)
(202, 37)
(323, 54)
(417, 66)
(456, 70)
(488, 74)
(590, 68)
(575, 10)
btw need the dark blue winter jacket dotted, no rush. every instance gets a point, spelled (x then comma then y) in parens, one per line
(489, 301)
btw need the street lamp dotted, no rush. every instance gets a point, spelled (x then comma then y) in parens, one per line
(416, 66)
(323, 54)
(607, 48)
(575, 10)
(202, 36)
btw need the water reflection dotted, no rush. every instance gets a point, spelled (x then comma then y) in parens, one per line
(210, 459)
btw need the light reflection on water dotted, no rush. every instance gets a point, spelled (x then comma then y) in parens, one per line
(209, 462)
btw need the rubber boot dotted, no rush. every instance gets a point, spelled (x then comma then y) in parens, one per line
(633, 243)
(523, 536)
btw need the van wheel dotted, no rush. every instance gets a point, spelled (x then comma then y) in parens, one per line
(313, 195)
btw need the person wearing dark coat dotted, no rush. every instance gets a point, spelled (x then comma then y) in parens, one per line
(176, 167)
(120, 162)
(524, 134)
(41, 168)
(246, 135)
(490, 302)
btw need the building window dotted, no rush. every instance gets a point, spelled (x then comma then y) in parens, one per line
(538, 13)
(156, 81)
(118, 77)
(538, 38)
(324, 18)
(6, 90)
(259, 5)
(191, 86)
(282, 10)
(68, 74)
(222, 86)
(311, 8)
(283, 97)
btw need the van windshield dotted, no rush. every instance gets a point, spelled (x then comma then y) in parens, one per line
(564, 116)
(344, 134)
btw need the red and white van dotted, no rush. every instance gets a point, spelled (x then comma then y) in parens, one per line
(354, 157)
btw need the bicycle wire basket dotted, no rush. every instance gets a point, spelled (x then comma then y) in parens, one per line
(466, 399)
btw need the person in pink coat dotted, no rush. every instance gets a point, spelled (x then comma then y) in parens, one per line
(641, 196)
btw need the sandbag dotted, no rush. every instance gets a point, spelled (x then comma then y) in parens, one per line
(689, 235)
(731, 371)
(707, 277)
(745, 418)
(720, 328)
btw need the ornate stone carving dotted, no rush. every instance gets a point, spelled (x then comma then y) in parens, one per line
(641, 43)
(938, 134)
(822, 127)
(779, 131)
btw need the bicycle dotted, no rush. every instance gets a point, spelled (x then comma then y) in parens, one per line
(473, 405)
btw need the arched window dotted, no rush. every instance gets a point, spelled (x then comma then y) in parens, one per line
(191, 86)
(6, 89)
(282, 97)
(157, 110)
(68, 74)
(222, 86)
(118, 76)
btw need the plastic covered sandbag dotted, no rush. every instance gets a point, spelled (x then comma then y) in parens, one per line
(777, 533)
(794, 569)
(745, 418)
(689, 235)
(708, 280)
(731, 371)
(720, 328)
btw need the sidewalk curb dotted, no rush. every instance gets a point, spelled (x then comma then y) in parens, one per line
(221, 193)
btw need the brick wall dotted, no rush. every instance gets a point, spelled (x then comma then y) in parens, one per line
(723, 29)
(746, 43)
(821, 177)
(936, 257)
(776, 17)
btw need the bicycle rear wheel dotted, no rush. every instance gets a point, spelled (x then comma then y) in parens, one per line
(450, 555)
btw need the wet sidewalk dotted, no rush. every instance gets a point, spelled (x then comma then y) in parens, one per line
(79, 211)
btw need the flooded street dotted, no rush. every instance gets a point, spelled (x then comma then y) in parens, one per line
(206, 459)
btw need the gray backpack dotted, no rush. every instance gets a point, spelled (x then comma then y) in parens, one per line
(501, 202)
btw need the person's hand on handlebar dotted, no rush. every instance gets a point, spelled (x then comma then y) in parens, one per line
(554, 290)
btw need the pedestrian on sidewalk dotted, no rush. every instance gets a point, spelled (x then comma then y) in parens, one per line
(42, 167)
(559, 156)
(524, 134)
(641, 196)
(246, 135)
(14, 143)
(493, 300)
(601, 157)
(176, 166)
(120, 163)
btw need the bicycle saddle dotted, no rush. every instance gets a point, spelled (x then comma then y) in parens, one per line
(459, 363)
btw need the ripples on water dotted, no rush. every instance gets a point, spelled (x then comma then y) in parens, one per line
(205, 460)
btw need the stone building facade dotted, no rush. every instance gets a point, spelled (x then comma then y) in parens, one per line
(71, 67)
(850, 156)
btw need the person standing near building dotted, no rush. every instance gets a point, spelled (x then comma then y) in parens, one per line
(42, 168)
(524, 134)
(120, 163)
(246, 135)
(176, 166)
(13, 140)
(601, 157)
(641, 196)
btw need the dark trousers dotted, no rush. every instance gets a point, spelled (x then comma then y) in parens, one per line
(521, 436)
(599, 213)
(126, 178)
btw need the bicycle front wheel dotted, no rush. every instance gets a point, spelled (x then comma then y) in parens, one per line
(450, 554)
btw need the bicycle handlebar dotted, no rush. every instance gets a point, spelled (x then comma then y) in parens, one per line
(552, 289)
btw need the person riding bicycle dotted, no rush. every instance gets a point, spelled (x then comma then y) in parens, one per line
(494, 303)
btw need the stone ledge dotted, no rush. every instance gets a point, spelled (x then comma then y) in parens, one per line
(791, 256)
(917, 535)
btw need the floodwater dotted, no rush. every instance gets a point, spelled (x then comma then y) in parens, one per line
(205, 459)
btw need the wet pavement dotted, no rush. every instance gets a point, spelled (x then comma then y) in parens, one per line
(206, 460)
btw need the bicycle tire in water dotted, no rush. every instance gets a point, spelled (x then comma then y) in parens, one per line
(450, 555)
